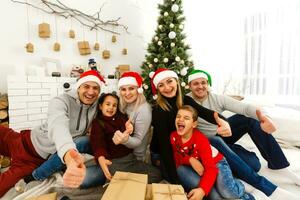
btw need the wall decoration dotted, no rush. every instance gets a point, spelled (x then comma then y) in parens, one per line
(71, 34)
(44, 30)
(97, 45)
(29, 47)
(124, 51)
(114, 39)
(56, 46)
(106, 54)
(84, 48)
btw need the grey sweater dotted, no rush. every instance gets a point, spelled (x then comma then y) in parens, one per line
(67, 118)
(141, 120)
(220, 103)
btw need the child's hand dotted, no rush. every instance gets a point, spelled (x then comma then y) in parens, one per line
(196, 194)
(104, 163)
(120, 138)
(223, 127)
(197, 166)
(266, 123)
(129, 127)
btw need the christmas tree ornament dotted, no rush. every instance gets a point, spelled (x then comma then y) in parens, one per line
(186, 87)
(29, 47)
(71, 34)
(124, 51)
(156, 38)
(150, 65)
(155, 60)
(160, 26)
(96, 46)
(183, 84)
(113, 38)
(172, 44)
(166, 60)
(173, 0)
(159, 43)
(166, 14)
(182, 62)
(177, 58)
(183, 72)
(172, 25)
(146, 87)
(151, 74)
(172, 35)
(56, 46)
(181, 26)
(175, 8)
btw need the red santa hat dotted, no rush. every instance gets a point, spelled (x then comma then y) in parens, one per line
(158, 76)
(91, 75)
(131, 78)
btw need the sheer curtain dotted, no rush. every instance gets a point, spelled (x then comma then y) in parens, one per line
(272, 52)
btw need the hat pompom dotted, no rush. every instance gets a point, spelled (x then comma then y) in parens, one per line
(151, 74)
(140, 90)
(155, 97)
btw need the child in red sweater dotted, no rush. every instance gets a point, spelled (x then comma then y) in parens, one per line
(201, 169)
(110, 155)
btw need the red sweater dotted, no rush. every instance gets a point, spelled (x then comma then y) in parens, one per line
(198, 147)
(103, 129)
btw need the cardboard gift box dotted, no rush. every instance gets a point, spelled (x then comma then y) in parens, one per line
(167, 192)
(84, 47)
(51, 196)
(125, 185)
(44, 30)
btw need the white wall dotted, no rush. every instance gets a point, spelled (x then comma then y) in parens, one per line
(139, 15)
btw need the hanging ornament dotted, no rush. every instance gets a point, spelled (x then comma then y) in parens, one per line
(56, 46)
(177, 58)
(124, 51)
(145, 86)
(166, 60)
(155, 60)
(44, 30)
(172, 35)
(183, 72)
(159, 43)
(172, 44)
(106, 54)
(182, 62)
(113, 38)
(172, 25)
(181, 26)
(151, 74)
(160, 26)
(150, 65)
(173, 0)
(175, 8)
(96, 46)
(71, 34)
(166, 14)
(29, 47)
(156, 38)
(183, 84)
(186, 87)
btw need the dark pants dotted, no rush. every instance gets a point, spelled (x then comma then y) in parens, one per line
(19, 148)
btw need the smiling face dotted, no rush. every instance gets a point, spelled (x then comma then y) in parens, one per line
(129, 93)
(109, 106)
(185, 123)
(167, 87)
(199, 88)
(88, 92)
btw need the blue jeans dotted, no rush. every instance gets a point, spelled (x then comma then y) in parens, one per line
(95, 176)
(266, 143)
(54, 163)
(241, 169)
(225, 187)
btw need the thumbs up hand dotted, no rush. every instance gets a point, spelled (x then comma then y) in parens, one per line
(223, 127)
(266, 123)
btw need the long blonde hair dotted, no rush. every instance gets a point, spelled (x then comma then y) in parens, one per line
(140, 100)
(163, 103)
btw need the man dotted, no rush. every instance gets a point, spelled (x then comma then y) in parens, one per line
(69, 116)
(247, 119)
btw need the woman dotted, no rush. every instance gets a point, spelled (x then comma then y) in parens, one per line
(169, 98)
(134, 104)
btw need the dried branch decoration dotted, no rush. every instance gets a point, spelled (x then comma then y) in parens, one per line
(93, 22)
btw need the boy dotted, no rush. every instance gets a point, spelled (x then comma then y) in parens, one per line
(199, 165)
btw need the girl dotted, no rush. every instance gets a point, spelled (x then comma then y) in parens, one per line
(169, 98)
(109, 156)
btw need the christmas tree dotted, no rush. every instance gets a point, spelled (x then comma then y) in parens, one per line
(167, 48)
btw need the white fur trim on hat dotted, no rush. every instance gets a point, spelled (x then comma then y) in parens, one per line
(196, 76)
(86, 79)
(127, 81)
(162, 75)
